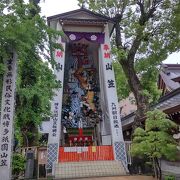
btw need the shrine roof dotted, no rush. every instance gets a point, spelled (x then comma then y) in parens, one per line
(171, 74)
(170, 104)
(169, 95)
(84, 14)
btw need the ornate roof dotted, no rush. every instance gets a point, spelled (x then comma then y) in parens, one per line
(83, 17)
(169, 77)
(81, 14)
(170, 103)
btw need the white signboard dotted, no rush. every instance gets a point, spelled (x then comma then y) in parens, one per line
(56, 106)
(76, 149)
(6, 122)
(112, 100)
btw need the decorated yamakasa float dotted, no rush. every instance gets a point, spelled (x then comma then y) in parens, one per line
(85, 126)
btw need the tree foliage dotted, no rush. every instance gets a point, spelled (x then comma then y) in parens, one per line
(18, 164)
(34, 91)
(123, 89)
(25, 31)
(155, 141)
(145, 32)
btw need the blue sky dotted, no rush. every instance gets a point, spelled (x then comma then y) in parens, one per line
(53, 7)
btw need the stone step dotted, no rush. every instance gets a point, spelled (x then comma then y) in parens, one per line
(67, 170)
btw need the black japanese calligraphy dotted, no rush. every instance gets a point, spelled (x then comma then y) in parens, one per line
(7, 112)
(115, 117)
(7, 109)
(59, 67)
(60, 83)
(9, 62)
(6, 131)
(55, 119)
(7, 101)
(9, 74)
(109, 66)
(5, 123)
(3, 162)
(4, 147)
(5, 139)
(8, 88)
(111, 84)
(4, 155)
(8, 95)
(6, 116)
(9, 81)
(9, 67)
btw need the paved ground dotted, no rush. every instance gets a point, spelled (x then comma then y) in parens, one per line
(115, 178)
(121, 178)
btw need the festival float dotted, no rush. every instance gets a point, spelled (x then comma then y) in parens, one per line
(85, 123)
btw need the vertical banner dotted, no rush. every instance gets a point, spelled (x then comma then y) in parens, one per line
(56, 106)
(112, 100)
(6, 122)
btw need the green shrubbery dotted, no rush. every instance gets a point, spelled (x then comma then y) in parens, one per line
(156, 140)
(18, 164)
(169, 177)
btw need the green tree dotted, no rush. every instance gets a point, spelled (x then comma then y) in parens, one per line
(121, 81)
(144, 34)
(18, 164)
(25, 31)
(156, 141)
(34, 91)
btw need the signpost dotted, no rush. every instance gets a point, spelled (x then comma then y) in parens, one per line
(56, 105)
(7, 114)
(112, 100)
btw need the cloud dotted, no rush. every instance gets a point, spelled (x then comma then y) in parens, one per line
(173, 58)
(53, 7)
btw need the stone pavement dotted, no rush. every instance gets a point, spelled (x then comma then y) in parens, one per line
(121, 178)
(77, 170)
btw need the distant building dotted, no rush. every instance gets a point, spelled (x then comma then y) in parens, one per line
(169, 78)
(127, 105)
(169, 83)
